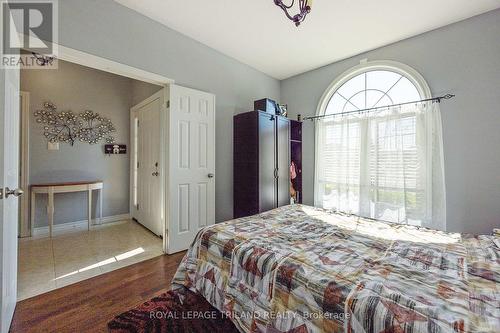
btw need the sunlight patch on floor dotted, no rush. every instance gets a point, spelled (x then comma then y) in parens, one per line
(49, 263)
(116, 258)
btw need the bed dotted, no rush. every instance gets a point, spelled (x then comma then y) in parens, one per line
(304, 269)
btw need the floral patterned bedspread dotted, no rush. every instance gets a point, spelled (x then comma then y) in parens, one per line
(303, 269)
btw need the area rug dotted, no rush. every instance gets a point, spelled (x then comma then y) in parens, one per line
(173, 312)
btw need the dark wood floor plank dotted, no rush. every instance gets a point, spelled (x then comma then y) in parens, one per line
(87, 306)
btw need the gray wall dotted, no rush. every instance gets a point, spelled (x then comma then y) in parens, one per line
(78, 88)
(464, 59)
(107, 29)
(142, 90)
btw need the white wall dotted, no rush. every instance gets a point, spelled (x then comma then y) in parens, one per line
(463, 59)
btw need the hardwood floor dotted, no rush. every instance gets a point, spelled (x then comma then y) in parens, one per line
(87, 306)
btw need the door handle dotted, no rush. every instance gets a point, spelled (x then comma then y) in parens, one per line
(211, 175)
(17, 192)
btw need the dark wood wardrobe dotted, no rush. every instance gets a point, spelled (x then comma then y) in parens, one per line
(261, 162)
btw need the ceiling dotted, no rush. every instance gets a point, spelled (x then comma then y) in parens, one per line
(257, 33)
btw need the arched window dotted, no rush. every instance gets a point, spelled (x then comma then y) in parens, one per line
(380, 163)
(373, 88)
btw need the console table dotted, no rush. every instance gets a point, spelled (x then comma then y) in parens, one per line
(52, 188)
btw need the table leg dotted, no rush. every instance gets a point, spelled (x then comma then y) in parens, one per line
(50, 210)
(89, 206)
(100, 206)
(32, 217)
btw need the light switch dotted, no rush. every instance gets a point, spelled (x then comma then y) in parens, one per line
(53, 146)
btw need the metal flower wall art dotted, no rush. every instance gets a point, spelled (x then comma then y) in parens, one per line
(68, 127)
(95, 128)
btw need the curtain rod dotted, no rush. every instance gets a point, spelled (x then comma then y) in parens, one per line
(434, 99)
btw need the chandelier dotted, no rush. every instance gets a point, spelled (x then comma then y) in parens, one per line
(304, 9)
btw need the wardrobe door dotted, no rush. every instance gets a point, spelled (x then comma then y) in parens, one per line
(266, 162)
(283, 160)
(246, 164)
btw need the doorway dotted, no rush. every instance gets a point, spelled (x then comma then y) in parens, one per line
(146, 203)
(68, 234)
(184, 178)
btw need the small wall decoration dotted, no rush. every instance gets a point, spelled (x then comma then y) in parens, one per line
(115, 149)
(42, 60)
(67, 127)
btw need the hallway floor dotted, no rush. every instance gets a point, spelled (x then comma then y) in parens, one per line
(49, 263)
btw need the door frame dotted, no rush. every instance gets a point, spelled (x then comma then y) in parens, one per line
(9, 209)
(96, 62)
(25, 227)
(163, 159)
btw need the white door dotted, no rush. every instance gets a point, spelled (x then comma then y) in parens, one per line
(9, 178)
(147, 208)
(191, 183)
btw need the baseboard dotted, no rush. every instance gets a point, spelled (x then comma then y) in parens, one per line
(64, 228)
